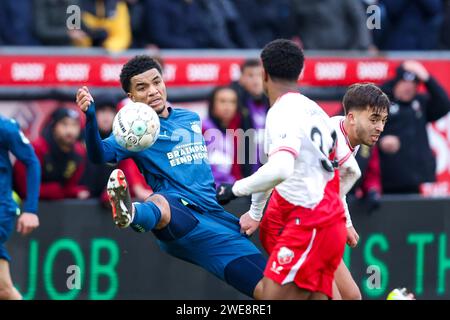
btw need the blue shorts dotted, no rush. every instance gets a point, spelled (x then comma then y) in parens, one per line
(6, 228)
(212, 241)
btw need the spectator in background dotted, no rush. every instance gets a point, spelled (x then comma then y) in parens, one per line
(410, 25)
(139, 33)
(222, 115)
(253, 109)
(267, 19)
(331, 24)
(50, 21)
(105, 23)
(175, 24)
(16, 23)
(226, 27)
(62, 158)
(405, 154)
(444, 32)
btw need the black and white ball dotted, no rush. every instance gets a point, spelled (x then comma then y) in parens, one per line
(136, 126)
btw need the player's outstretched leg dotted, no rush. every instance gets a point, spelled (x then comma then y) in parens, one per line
(141, 217)
(120, 199)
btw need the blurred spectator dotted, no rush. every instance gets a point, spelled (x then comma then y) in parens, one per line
(16, 23)
(50, 21)
(205, 24)
(253, 109)
(226, 27)
(444, 33)
(405, 154)
(273, 19)
(410, 25)
(139, 33)
(105, 23)
(222, 115)
(331, 24)
(175, 24)
(62, 158)
(369, 188)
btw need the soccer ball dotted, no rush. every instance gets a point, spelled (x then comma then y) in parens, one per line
(136, 126)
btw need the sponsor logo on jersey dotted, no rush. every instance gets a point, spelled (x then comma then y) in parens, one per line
(276, 269)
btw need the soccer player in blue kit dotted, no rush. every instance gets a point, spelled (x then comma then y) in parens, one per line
(14, 141)
(183, 213)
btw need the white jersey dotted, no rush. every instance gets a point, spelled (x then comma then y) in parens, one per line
(349, 171)
(344, 149)
(298, 125)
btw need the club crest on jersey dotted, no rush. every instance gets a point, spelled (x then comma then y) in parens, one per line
(285, 255)
(196, 128)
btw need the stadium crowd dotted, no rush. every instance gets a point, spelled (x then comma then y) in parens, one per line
(319, 25)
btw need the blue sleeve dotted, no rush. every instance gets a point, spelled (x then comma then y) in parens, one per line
(21, 148)
(101, 151)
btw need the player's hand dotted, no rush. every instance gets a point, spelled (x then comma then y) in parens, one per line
(390, 144)
(27, 222)
(224, 193)
(248, 224)
(417, 68)
(352, 237)
(84, 98)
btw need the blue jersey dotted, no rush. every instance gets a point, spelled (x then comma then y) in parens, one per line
(13, 140)
(177, 163)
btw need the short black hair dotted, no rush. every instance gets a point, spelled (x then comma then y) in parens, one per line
(137, 65)
(250, 63)
(283, 59)
(360, 96)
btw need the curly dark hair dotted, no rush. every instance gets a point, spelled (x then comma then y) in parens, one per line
(360, 96)
(134, 66)
(283, 60)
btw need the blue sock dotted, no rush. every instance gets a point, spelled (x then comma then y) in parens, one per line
(146, 216)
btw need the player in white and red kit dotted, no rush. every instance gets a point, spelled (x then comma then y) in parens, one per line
(366, 111)
(301, 142)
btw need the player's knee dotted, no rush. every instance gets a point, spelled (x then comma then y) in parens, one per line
(164, 207)
(258, 293)
(269, 290)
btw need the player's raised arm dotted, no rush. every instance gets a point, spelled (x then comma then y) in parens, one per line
(98, 151)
